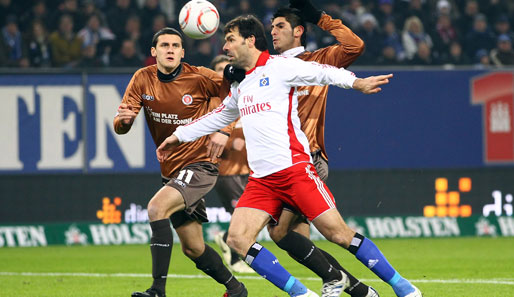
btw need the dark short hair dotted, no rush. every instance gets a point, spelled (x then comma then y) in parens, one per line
(292, 16)
(164, 31)
(247, 26)
(219, 59)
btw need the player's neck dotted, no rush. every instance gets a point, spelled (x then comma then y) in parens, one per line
(168, 76)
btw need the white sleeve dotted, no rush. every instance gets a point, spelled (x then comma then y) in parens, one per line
(304, 73)
(219, 118)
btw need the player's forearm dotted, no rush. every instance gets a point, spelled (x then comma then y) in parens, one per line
(209, 123)
(349, 41)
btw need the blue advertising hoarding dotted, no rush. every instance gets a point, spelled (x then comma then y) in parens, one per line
(422, 119)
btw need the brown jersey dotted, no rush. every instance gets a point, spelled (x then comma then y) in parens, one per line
(168, 105)
(234, 162)
(312, 99)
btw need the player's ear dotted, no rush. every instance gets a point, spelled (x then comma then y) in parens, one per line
(153, 51)
(251, 41)
(298, 31)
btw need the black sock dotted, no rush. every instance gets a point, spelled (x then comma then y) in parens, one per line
(356, 288)
(210, 263)
(303, 250)
(161, 244)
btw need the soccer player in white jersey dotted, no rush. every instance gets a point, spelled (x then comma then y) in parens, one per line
(288, 32)
(279, 156)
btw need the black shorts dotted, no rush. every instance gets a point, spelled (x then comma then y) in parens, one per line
(193, 181)
(321, 166)
(229, 189)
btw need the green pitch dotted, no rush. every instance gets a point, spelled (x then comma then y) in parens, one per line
(457, 267)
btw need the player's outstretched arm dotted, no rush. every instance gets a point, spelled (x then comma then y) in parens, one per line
(164, 149)
(371, 84)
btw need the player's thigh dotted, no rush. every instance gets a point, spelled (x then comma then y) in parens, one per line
(165, 202)
(191, 238)
(334, 228)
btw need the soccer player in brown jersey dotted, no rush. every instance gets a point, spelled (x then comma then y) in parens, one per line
(171, 94)
(232, 179)
(292, 232)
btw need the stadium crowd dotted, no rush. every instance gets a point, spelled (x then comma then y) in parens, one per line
(118, 33)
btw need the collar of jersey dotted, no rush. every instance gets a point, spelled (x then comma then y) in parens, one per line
(261, 61)
(169, 77)
(293, 52)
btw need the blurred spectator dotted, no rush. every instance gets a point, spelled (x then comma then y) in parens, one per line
(445, 33)
(370, 35)
(202, 55)
(149, 11)
(480, 37)
(386, 13)
(418, 9)
(482, 60)
(423, 56)
(66, 45)
(392, 39)
(37, 46)
(388, 57)
(117, 16)
(7, 7)
(89, 8)
(503, 54)
(495, 8)
(467, 19)
(38, 12)
(96, 35)
(67, 7)
(502, 26)
(133, 32)
(89, 58)
(94, 32)
(11, 36)
(413, 34)
(352, 13)
(455, 56)
(158, 23)
(128, 55)
(269, 8)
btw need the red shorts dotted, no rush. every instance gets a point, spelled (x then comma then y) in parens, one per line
(298, 186)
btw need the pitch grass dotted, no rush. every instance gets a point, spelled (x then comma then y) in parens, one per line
(456, 267)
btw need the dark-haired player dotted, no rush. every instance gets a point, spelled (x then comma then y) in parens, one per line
(172, 93)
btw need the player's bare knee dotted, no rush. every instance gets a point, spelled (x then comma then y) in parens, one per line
(192, 252)
(153, 211)
(238, 243)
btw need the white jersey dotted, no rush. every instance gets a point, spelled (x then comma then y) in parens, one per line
(266, 101)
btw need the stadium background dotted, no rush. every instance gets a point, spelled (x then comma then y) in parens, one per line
(437, 145)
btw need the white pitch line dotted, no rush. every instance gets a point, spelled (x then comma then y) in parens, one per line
(493, 281)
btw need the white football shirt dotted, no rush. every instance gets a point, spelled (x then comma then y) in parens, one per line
(267, 103)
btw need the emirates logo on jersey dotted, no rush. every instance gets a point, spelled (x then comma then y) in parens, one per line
(187, 99)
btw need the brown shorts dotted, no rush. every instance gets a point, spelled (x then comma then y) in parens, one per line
(321, 166)
(229, 189)
(193, 181)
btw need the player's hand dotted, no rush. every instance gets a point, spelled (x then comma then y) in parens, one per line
(126, 114)
(238, 144)
(164, 150)
(232, 73)
(307, 11)
(216, 145)
(371, 84)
